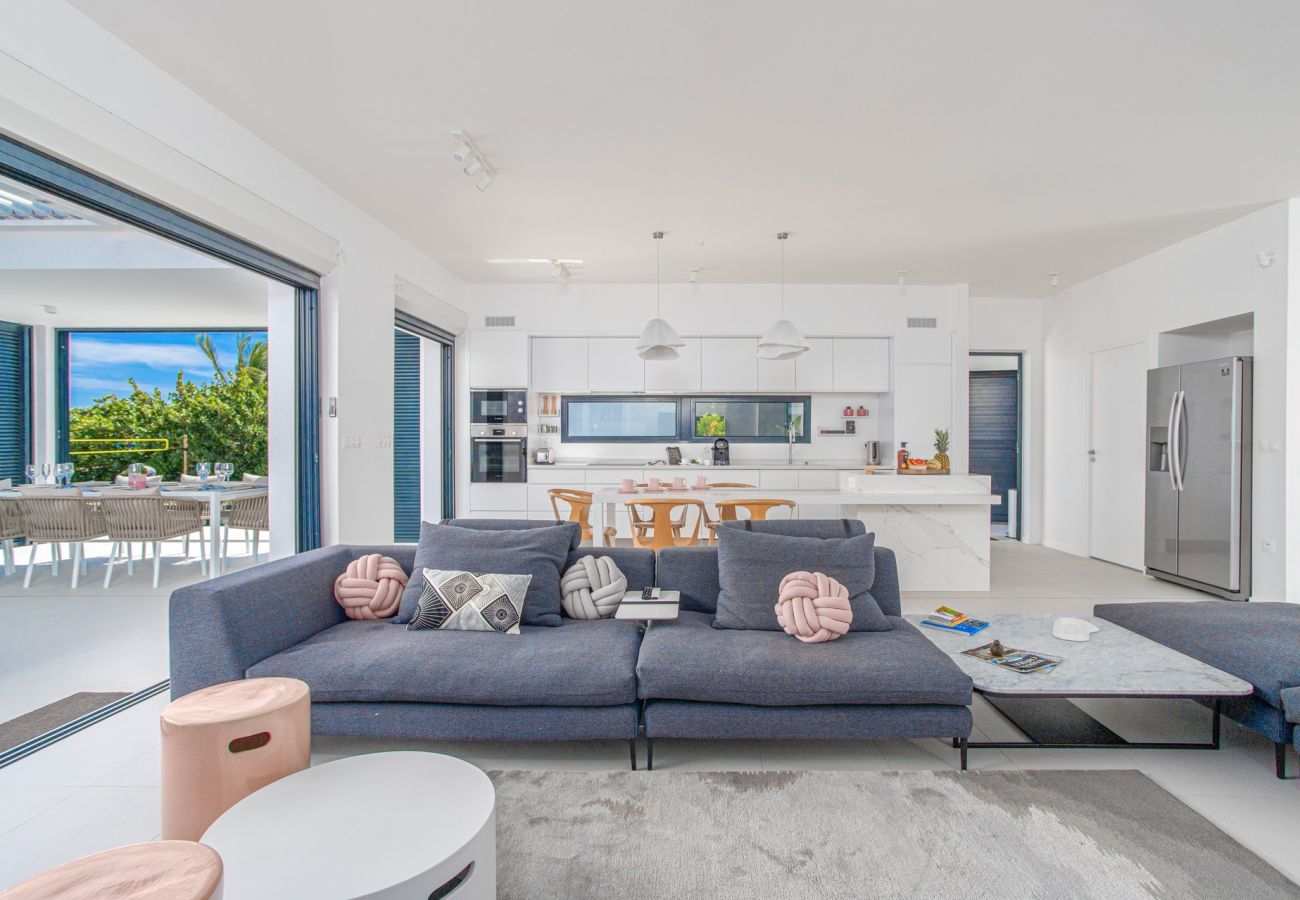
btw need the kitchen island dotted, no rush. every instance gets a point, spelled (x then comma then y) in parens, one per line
(937, 525)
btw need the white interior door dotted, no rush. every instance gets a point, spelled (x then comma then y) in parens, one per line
(1116, 482)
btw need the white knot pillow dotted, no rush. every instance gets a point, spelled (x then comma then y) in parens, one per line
(592, 588)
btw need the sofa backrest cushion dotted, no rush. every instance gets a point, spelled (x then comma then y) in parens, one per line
(515, 525)
(812, 528)
(636, 564)
(694, 572)
(752, 565)
(539, 552)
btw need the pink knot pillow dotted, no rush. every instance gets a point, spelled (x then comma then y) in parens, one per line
(371, 588)
(813, 607)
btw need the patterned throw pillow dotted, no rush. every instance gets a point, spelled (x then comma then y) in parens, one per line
(464, 601)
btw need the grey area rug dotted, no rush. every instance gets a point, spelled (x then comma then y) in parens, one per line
(1105, 834)
(51, 716)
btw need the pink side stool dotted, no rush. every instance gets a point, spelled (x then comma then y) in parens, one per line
(159, 870)
(224, 742)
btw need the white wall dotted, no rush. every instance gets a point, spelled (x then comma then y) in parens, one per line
(1017, 325)
(1207, 277)
(110, 110)
(744, 309)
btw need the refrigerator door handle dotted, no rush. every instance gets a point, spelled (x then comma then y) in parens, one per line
(1173, 442)
(1181, 397)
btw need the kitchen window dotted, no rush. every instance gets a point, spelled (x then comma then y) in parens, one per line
(699, 419)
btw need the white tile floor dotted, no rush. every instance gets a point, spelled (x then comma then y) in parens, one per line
(99, 788)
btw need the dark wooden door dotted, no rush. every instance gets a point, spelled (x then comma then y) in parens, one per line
(995, 432)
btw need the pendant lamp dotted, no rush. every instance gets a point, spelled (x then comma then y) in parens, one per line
(783, 340)
(659, 340)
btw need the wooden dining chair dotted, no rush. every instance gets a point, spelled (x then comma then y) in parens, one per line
(661, 529)
(756, 508)
(580, 503)
(730, 484)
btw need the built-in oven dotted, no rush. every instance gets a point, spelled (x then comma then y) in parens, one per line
(498, 454)
(500, 407)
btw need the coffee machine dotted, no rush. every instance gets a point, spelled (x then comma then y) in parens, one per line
(722, 452)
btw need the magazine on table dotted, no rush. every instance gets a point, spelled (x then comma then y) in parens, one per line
(1025, 662)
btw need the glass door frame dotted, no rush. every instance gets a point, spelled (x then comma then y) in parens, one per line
(447, 341)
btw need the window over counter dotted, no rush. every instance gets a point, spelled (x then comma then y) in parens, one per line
(613, 418)
(633, 418)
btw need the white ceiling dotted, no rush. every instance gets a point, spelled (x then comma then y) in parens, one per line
(988, 142)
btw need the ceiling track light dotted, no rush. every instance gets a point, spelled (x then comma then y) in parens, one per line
(472, 162)
(783, 340)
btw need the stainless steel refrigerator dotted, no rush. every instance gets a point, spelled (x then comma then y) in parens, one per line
(1198, 475)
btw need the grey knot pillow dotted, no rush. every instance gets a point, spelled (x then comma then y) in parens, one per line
(592, 588)
(751, 565)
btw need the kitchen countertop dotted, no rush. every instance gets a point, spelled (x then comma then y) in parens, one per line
(833, 464)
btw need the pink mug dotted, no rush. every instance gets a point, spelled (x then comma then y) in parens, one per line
(679, 483)
(701, 481)
(652, 483)
(629, 485)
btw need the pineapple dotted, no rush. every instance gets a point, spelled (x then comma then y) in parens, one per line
(941, 449)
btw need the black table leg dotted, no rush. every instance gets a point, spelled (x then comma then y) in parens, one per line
(1056, 722)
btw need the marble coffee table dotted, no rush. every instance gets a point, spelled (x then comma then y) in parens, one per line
(1114, 662)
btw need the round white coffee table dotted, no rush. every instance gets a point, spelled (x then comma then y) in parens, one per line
(381, 825)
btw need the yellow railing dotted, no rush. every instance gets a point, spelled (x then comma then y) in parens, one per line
(118, 446)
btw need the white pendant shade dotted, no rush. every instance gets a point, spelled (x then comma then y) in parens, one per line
(658, 340)
(782, 341)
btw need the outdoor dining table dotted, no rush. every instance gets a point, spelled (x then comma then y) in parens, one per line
(214, 495)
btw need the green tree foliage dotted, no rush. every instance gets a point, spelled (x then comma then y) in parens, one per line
(225, 419)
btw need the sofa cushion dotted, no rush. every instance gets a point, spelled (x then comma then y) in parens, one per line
(581, 664)
(1291, 703)
(539, 552)
(813, 528)
(690, 660)
(513, 525)
(751, 566)
(1254, 641)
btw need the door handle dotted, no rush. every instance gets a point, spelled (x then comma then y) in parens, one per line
(1173, 442)
(1092, 456)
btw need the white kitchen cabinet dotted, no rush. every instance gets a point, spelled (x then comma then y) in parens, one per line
(613, 366)
(729, 364)
(776, 375)
(497, 498)
(560, 364)
(922, 403)
(814, 369)
(498, 359)
(680, 374)
(819, 480)
(861, 365)
(729, 475)
(778, 480)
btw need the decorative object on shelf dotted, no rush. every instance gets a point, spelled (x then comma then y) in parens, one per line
(848, 411)
(941, 448)
(783, 340)
(850, 426)
(862, 411)
(659, 340)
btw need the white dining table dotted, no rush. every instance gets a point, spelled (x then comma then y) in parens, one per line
(214, 497)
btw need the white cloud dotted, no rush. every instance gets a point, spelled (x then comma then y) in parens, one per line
(91, 352)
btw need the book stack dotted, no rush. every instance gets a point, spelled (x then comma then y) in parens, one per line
(949, 619)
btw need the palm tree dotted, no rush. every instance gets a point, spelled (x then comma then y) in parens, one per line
(250, 354)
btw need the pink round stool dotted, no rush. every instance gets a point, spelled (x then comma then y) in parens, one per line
(222, 743)
(160, 870)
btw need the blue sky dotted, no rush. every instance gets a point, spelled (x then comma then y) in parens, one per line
(100, 363)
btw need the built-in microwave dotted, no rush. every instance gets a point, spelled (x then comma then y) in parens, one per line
(502, 407)
(498, 454)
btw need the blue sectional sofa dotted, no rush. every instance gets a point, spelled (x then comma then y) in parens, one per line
(1258, 642)
(596, 680)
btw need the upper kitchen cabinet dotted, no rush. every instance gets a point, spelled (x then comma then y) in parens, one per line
(729, 364)
(776, 375)
(814, 369)
(498, 359)
(861, 365)
(680, 374)
(560, 364)
(613, 366)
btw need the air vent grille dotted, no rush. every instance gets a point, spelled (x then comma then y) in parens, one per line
(499, 321)
(915, 322)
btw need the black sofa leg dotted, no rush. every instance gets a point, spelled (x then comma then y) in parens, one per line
(964, 748)
(631, 750)
(649, 754)
(1279, 759)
